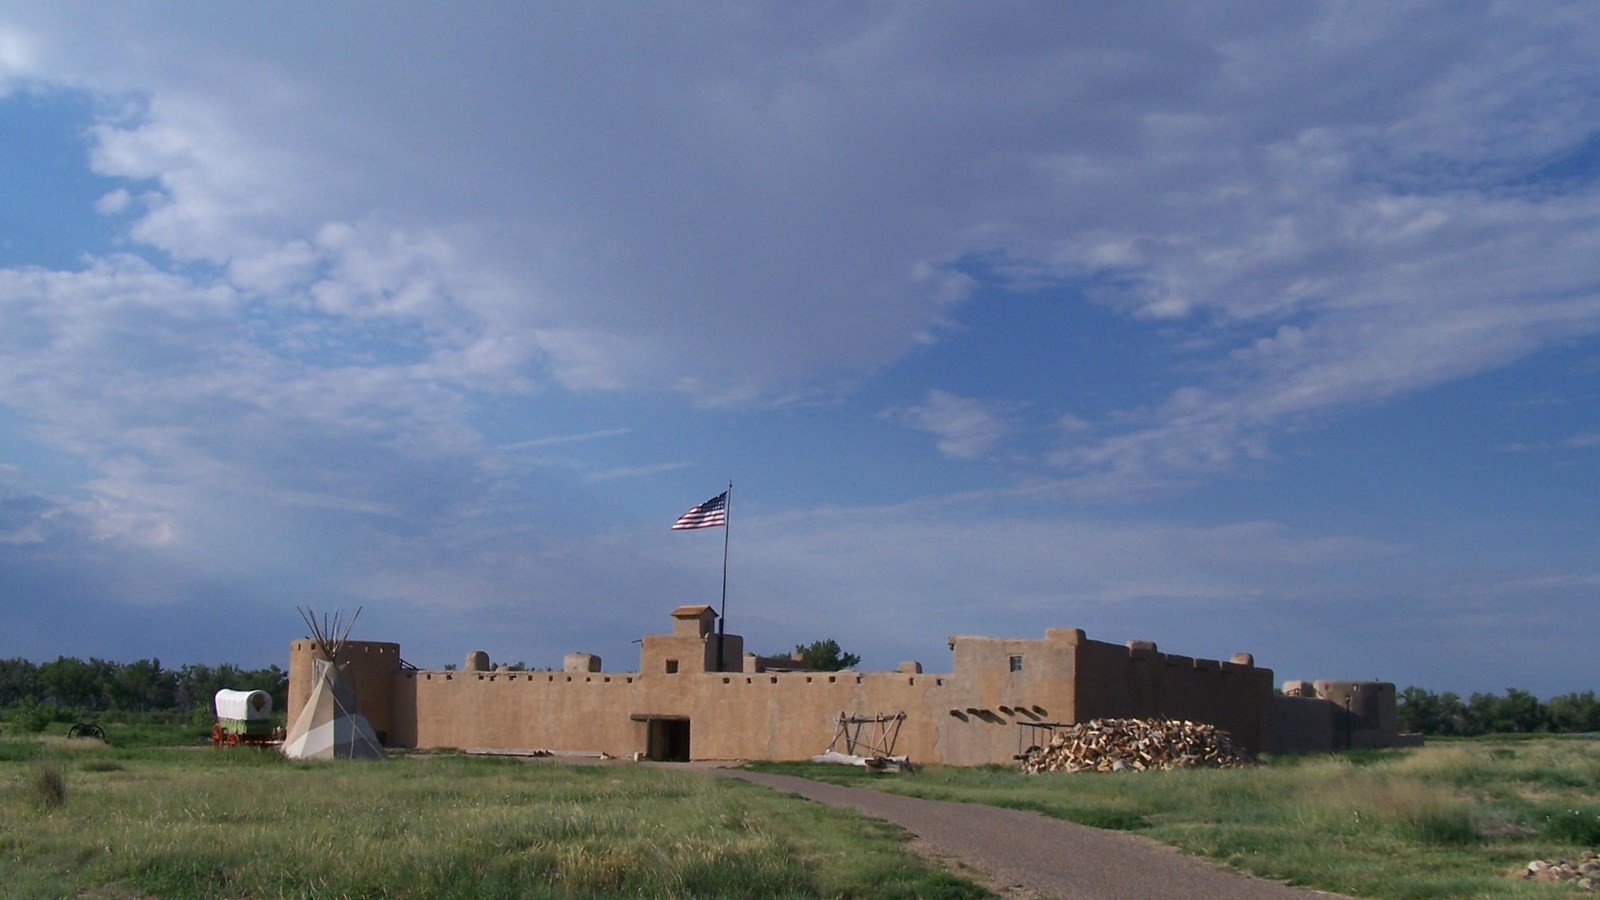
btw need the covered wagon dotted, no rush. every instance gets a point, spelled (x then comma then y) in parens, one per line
(243, 717)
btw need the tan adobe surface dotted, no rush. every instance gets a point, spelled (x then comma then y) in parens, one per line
(1001, 695)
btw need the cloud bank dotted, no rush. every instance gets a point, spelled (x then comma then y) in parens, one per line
(369, 264)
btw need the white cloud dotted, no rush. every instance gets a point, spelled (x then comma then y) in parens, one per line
(17, 57)
(150, 379)
(114, 202)
(362, 231)
(964, 428)
(766, 206)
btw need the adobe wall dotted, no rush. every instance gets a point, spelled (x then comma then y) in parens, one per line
(1001, 696)
(1303, 725)
(732, 715)
(1330, 716)
(1136, 680)
(512, 710)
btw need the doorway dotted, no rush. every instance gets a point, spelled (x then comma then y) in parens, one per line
(668, 739)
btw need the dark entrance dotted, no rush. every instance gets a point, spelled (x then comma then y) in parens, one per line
(667, 738)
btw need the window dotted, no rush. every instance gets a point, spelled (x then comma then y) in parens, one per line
(1016, 662)
(672, 667)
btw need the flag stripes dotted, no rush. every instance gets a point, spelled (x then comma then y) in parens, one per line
(710, 514)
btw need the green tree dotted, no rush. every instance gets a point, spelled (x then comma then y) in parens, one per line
(1517, 712)
(1425, 712)
(73, 682)
(826, 656)
(1574, 713)
(142, 686)
(19, 682)
(1525, 712)
(1418, 710)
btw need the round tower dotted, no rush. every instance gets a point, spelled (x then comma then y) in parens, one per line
(369, 668)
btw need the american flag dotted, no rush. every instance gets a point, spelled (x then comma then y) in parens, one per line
(710, 514)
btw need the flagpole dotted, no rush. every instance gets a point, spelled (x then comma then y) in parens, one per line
(722, 617)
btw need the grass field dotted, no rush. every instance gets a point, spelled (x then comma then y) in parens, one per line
(140, 820)
(80, 819)
(1454, 820)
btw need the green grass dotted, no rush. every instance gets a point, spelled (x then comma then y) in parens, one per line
(245, 823)
(1454, 820)
(125, 730)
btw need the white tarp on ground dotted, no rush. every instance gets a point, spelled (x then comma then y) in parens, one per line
(330, 727)
(243, 704)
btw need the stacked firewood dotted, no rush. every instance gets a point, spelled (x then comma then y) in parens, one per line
(1115, 745)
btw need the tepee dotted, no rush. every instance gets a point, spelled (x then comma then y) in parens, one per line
(330, 726)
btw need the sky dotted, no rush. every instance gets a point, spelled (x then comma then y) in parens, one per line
(1246, 326)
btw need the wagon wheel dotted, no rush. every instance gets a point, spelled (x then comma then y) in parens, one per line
(216, 735)
(233, 739)
(86, 730)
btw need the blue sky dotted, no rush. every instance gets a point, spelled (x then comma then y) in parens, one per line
(1264, 327)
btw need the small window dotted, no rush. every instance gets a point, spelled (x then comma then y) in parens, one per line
(672, 667)
(1016, 662)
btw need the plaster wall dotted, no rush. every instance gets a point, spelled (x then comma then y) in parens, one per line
(1000, 696)
(513, 710)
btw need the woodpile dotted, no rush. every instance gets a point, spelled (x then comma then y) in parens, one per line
(1115, 745)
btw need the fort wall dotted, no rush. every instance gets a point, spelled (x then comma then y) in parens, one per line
(1002, 695)
(1330, 716)
(1136, 680)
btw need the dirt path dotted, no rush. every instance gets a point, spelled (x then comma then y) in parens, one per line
(1027, 855)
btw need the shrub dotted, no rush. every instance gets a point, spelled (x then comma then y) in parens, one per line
(30, 718)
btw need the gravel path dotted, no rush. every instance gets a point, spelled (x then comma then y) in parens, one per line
(1027, 855)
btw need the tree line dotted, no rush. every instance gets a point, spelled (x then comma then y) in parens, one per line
(98, 685)
(1517, 711)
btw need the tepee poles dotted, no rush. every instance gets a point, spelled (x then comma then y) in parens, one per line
(330, 637)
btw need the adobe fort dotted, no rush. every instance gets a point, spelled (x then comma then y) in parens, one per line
(1001, 695)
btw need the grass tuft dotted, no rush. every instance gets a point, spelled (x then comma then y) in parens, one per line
(48, 784)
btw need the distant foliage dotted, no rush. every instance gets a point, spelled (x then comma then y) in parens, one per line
(1516, 712)
(67, 685)
(826, 656)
